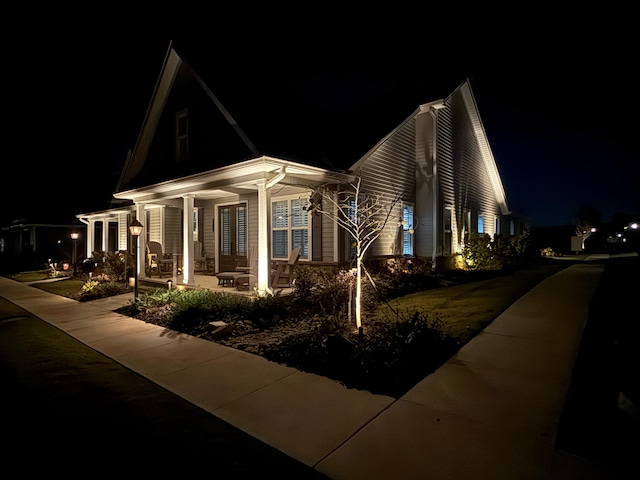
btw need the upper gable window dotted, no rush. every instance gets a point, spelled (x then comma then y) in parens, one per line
(182, 135)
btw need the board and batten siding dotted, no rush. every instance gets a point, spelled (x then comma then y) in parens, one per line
(387, 170)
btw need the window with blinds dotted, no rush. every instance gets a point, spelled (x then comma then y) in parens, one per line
(290, 227)
(241, 230)
(407, 229)
(225, 231)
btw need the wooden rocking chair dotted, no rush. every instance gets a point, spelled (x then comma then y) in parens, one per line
(158, 262)
(282, 275)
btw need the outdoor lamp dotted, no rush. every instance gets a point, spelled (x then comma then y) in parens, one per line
(135, 228)
(74, 237)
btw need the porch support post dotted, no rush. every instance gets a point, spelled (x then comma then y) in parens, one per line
(105, 236)
(142, 242)
(91, 228)
(188, 274)
(263, 238)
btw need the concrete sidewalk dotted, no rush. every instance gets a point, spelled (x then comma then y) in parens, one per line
(491, 411)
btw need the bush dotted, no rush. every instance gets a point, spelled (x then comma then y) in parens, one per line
(192, 310)
(100, 287)
(388, 359)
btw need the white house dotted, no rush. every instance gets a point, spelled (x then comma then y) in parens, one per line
(207, 169)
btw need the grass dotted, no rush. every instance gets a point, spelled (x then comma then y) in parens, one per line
(467, 308)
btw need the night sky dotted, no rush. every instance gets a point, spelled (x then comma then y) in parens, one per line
(560, 111)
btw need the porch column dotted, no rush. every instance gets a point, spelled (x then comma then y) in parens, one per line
(91, 228)
(140, 254)
(263, 237)
(105, 236)
(187, 240)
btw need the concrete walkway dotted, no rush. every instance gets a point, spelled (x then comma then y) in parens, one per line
(491, 411)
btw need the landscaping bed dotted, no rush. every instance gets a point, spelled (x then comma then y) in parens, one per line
(403, 339)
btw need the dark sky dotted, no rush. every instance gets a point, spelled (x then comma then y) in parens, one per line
(560, 109)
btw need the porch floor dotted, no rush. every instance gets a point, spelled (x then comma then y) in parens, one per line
(208, 281)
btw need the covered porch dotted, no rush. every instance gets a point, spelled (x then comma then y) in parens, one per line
(248, 187)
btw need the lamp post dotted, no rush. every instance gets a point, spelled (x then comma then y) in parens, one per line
(135, 228)
(74, 237)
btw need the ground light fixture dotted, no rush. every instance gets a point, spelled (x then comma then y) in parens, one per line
(135, 227)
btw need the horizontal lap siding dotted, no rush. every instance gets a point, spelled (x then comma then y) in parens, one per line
(208, 235)
(155, 225)
(445, 171)
(123, 230)
(388, 170)
(464, 180)
(172, 230)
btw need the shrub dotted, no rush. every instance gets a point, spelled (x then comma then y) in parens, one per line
(100, 287)
(192, 310)
(391, 356)
(266, 310)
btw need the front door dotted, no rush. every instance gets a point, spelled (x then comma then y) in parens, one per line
(233, 235)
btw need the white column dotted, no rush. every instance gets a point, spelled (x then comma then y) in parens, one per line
(91, 228)
(263, 238)
(105, 236)
(187, 240)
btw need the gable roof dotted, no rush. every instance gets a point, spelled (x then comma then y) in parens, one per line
(257, 113)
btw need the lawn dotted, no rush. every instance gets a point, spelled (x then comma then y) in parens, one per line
(64, 286)
(465, 309)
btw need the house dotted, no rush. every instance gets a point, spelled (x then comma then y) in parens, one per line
(26, 244)
(207, 169)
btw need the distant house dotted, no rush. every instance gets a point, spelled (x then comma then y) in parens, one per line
(213, 170)
(27, 245)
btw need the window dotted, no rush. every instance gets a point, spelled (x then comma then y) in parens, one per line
(407, 229)
(448, 232)
(290, 227)
(480, 224)
(182, 135)
(194, 222)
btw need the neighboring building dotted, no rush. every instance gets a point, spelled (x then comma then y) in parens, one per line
(28, 245)
(195, 174)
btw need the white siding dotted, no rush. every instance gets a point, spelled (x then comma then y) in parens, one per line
(123, 230)
(390, 169)
(172, 230)
(462, 170)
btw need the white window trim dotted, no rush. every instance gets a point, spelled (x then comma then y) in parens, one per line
(409, 228)
(289, 228)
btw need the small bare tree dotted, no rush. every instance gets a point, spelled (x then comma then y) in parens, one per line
(362, 215)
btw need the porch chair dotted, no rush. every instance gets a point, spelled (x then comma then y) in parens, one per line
(251, 255)
(199, 259)
(242, 275)
(282, 275)
(157, 261)
(248, 275)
